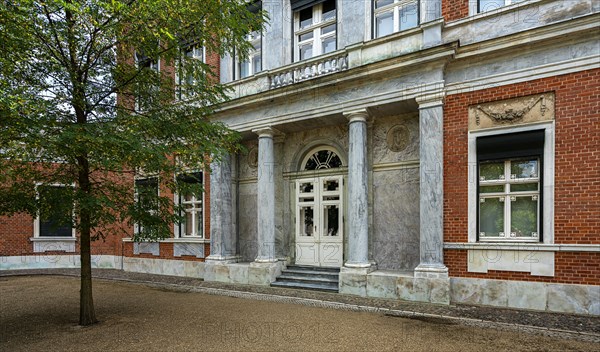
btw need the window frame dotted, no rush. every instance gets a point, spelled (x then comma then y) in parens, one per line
(154, 65)
(506, 196)
(395, 9)
(506, 3)
(178, 227)
(546, 187)
(37, 222)
(137, 226)
(237, 68)
(316, 28)
(179, 74)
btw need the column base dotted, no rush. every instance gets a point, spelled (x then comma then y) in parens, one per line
(432, 271)
(226, 259)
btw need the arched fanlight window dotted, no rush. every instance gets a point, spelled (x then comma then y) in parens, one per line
(322, 159)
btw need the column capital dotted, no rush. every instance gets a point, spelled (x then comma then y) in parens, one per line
(268, 132)
(360, 115)
(431, 100)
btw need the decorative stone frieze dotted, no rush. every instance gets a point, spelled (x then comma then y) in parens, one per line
(522, 110)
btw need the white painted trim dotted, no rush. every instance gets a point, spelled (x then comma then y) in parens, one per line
(534, 247)
(548, 174)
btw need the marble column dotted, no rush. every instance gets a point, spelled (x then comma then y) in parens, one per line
(222, 235)
(266, 196)
(431, 138)
(358, 210)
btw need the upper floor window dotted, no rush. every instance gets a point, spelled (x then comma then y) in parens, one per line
(184, 77)
(491, 5)
(393, 16)
(146, 86)
(253, 64)
(315, 28)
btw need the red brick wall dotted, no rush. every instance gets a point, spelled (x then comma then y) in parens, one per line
(453, 10)
(577, 170)
(570, 268)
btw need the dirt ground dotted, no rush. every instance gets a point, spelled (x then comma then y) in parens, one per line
(40, 314)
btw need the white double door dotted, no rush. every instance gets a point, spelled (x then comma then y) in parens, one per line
(320, 221)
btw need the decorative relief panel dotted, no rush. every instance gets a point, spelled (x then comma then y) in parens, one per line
(253, 157)
(398, 138)
(522, 110)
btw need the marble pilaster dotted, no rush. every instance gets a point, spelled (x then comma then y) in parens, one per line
(431, 138)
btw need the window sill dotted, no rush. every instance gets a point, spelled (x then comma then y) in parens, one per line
(525, 246)
(53, 244)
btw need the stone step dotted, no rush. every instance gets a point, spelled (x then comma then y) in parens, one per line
(314, 268)
(327, 287)
(307, 278)
(314, 273)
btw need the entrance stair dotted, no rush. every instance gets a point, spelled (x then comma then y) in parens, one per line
(309, 278)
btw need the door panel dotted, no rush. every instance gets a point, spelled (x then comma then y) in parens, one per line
(319, 221)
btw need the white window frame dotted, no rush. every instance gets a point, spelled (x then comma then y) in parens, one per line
(177, 228)
(395, 9)
(477, 5)
(178, 74)
(546, 189)
(37, 220)
(256, 39)
(506, 197)
(316, 27)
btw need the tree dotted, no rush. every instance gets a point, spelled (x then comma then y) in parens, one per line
(82, 105)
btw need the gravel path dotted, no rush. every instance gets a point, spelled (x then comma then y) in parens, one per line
(574, 327)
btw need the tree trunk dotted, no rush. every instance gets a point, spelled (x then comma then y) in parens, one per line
(87, 315)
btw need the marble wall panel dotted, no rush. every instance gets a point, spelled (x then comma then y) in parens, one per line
(396, 219)
(248, 238)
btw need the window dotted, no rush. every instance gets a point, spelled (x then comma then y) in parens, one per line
(491, 5)
(253, 64)
(183, 75)
(146, 196)
(393, 16)
(191, 206)
(55, 218)
(315, 28)
(144, 63)
(510, 180)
